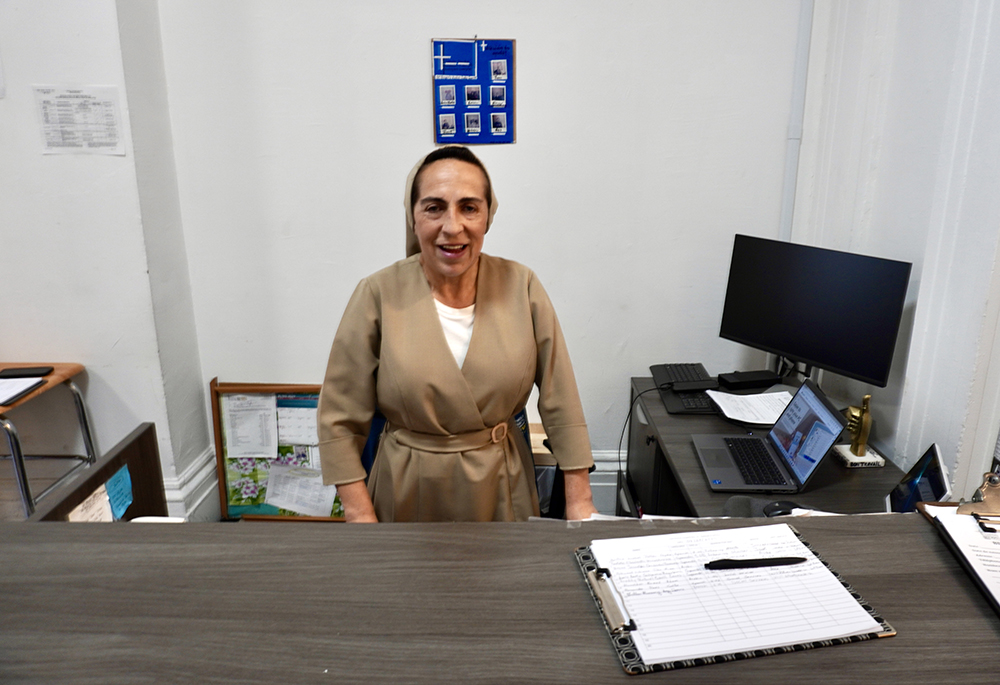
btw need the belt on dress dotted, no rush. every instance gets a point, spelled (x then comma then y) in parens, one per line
(462, 442)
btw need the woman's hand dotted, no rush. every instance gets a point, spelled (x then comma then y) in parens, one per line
(357, 502)
(579, 498)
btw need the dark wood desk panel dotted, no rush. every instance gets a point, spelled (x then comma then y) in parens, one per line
(283, 602)
(833, 488)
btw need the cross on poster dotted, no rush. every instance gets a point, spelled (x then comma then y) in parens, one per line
(473, 91)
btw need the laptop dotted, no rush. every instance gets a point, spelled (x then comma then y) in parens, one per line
(927, 481)
(785, 459)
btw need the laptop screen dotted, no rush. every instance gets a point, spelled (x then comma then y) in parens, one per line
(805, 432)
(927, 481)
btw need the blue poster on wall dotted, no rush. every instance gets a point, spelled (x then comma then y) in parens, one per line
(473, 91)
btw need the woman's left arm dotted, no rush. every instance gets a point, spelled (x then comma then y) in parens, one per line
(579, 499)
(559, 405)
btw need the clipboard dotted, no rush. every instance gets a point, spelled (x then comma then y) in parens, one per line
(962, 552)
(972, 533)
(620, 626)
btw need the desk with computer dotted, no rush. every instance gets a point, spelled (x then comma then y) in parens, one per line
(811, 308)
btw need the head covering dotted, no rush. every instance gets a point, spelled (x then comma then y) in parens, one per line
(412, 245)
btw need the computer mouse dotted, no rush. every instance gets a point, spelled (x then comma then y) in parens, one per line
(779, 508)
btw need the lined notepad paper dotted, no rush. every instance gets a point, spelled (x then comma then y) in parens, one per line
(683, 611)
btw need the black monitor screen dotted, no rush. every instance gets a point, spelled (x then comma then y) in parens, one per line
(834, 310)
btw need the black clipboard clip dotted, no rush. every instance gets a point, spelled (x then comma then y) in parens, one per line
(983, 519)
(609, 601)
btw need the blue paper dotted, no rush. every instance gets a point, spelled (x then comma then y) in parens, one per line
(119, 488)
(473, 91)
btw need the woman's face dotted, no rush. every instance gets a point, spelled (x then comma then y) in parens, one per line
(449, 218)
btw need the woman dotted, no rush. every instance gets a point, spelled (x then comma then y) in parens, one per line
(447, 345)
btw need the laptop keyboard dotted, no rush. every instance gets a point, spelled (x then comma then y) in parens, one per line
(754, 461)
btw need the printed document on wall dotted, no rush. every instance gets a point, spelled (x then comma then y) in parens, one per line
(80, 120)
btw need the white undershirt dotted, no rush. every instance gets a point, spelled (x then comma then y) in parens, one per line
(457, 325)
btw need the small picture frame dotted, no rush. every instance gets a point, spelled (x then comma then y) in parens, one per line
(447, 95)
(446, 124)
(498, 69)
(498, 123)
(473, 96)
(498, 96)
(472, 122)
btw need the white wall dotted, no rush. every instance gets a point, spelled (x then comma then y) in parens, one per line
(72, 253)
(73, 257)
(899, 160)
(648, 134)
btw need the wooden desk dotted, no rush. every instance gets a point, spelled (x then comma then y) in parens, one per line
(62, 374)
(427, 603)
(668, 479)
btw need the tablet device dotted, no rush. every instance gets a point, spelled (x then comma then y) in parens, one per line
(26, 372)
(927, 481)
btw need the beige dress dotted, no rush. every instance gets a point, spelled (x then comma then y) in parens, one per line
(451, 451)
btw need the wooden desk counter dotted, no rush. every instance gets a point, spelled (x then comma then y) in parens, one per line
(299, 602)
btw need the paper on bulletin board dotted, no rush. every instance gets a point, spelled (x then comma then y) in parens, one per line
(473, 91)
(297, 419)
(80, 120)
(250, 426)
(301, 490)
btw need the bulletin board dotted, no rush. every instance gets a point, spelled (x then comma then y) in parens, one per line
(473, 91)
(266, 452)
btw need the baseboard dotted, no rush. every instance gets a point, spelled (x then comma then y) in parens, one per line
(607, 460)
(604, 480)
(194, 493)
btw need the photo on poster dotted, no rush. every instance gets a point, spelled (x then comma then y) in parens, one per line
(472, 122)
(446, 124)
(447, 95)
(473, 96)
(498, 96)
(498, 67)
(498, 123)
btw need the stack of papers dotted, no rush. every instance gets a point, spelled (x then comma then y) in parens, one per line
(12, 389)
(761, 409)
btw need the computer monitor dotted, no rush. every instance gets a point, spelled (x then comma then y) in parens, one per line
(833, 310)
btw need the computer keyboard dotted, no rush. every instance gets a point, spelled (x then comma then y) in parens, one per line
(671, 373)
(695, 400)
(755, 463)
(691, 400)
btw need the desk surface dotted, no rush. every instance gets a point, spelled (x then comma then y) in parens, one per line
(60, 372)
(311, 602)
(834, 487)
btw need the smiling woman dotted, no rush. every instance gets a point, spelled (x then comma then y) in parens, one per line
(447, 344)
(450, 217)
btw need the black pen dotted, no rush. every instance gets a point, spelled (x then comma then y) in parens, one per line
(720, 564)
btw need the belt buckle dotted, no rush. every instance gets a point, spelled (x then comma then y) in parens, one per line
(499, 432)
